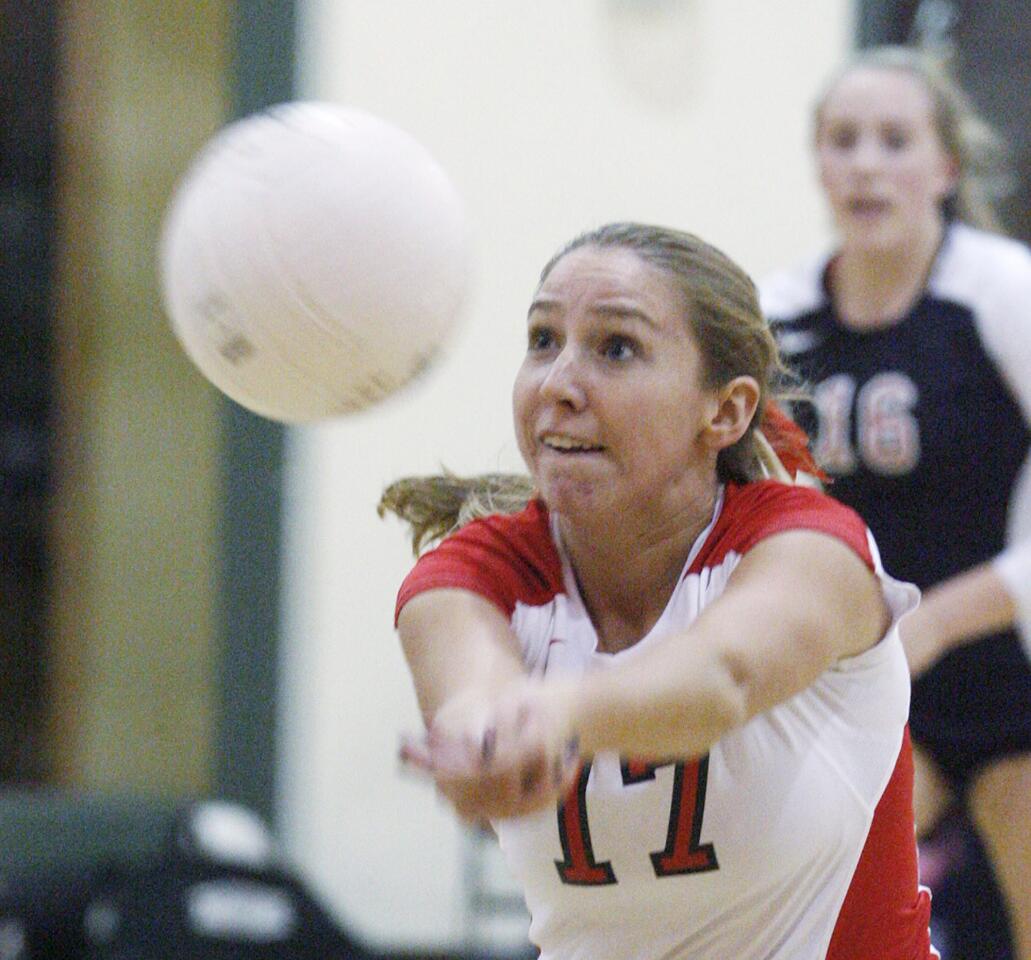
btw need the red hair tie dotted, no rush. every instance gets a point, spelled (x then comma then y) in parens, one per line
(790, 442)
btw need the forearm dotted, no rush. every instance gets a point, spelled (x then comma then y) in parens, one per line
(455, 642)
(967, 606)
(672, 703)
(756, 647)
(489, 753)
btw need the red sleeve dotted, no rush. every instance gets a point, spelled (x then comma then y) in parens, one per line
(503, 558)
(758, 510)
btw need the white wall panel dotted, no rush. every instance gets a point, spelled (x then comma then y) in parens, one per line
(552, 116)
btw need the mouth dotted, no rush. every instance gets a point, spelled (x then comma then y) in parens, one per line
(868, 208)
(560, 443)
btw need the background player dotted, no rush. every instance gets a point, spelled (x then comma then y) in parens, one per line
(915, 334)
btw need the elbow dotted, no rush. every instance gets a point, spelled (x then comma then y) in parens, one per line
(744, 686)
(710, 711)
(729, 700)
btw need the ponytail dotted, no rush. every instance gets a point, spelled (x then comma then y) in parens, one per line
(435, 506)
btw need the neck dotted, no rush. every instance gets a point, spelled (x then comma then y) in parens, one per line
(627, 570)
(877, 288)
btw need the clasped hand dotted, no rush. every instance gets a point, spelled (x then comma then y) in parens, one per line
(505, 754)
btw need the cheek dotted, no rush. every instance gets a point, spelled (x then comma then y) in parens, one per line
(522, 394)
(920, 177)
(672, 426)
(910, 173)
(831, 173)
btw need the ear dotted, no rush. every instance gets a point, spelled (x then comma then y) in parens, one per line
(736, 403)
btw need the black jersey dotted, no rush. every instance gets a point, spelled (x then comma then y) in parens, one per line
(924, 425)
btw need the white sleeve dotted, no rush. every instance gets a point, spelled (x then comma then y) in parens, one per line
(1004, 322)
(1004, 325)
(787, 293)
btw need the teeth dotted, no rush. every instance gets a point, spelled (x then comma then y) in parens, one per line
(567, 443)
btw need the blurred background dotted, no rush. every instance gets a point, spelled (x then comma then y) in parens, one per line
(196, 604)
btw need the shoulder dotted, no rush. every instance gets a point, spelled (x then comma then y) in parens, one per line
(506, 558)
(986, 280)
(795, 291)
(754, 511)
(981, 270)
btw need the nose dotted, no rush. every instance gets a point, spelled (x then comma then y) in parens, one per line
(564, 379)
(867, 154)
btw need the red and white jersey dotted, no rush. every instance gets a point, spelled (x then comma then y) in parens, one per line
(793, 839)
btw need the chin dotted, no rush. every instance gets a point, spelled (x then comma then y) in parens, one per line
(567, 497)
(873, 239)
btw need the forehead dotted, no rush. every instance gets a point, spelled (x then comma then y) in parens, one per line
(878, 93)
(609, 273)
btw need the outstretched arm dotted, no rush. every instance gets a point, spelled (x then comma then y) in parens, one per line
(488, 755)
(797, 602)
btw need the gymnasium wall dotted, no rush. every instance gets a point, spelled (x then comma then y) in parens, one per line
(551, 118)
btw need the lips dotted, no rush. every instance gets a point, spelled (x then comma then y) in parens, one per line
(868, 206)
(566, 444)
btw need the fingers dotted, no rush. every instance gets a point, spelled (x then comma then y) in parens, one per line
(414, 754)
(506, 774)
(505, 786)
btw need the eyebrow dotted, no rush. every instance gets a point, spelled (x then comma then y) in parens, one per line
(613, 310)
(895, 120)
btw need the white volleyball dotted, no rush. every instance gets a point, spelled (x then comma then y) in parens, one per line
(313, 260)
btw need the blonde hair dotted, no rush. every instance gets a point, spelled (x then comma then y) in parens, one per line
(734, 339)
(435, 506)
(980, 154)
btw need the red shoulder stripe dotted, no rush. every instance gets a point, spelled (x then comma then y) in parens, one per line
(504, 558)
(758, 510)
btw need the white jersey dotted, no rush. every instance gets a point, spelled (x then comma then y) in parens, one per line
(791, 840)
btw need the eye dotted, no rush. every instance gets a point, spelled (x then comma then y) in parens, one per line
(539, 338)
(618, 347)
(841, 137)
(895, 138)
